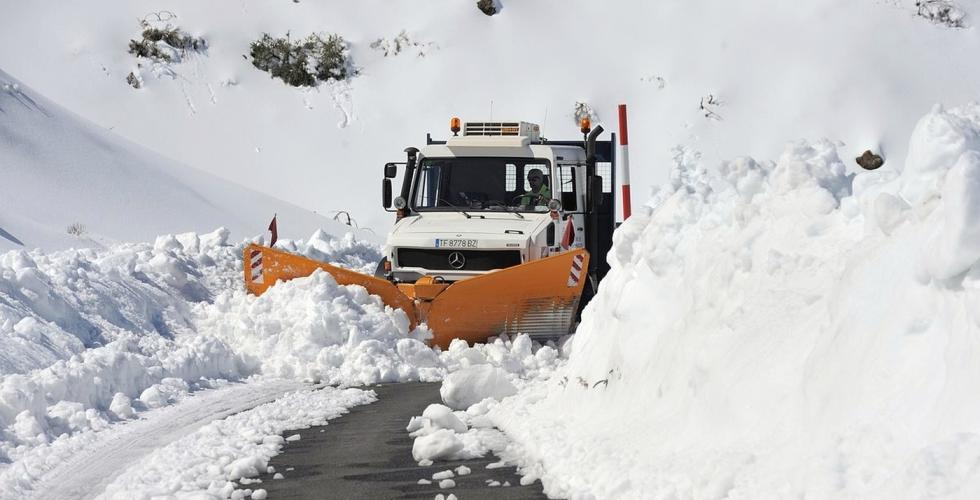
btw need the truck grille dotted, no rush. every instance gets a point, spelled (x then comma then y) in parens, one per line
(473, 260)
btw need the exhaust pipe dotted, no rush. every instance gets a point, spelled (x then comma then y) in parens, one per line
(594, 198)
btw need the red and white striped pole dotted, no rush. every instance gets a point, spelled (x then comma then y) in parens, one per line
(623, 163)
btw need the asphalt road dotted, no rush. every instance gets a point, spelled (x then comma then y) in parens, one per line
(368, 454)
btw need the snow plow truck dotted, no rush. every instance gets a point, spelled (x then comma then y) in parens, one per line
(498, 230)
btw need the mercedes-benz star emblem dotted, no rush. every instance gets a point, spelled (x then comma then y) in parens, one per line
(456, 260)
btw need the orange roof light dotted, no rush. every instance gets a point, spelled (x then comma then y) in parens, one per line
(586, 125)
(454, 125)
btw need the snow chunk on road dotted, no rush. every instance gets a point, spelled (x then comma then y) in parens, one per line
(440, 444)
(469, 386)
(207, 461)
(446, 474)
(121, 406)
(441, 417)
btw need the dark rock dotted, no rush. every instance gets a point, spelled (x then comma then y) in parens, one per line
(488, 7)
(869, 160)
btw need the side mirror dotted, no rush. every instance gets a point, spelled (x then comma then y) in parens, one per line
(391, 170)
(386, 191)
(551, 235)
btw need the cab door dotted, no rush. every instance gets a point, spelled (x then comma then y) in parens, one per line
(570, 188)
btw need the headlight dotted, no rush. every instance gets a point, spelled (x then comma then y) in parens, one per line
(553, 205)
(399, 203)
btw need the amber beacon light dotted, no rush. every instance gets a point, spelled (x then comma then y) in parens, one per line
(454, 125)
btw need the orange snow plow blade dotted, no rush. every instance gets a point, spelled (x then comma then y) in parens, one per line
(264, 266)
(537, 298)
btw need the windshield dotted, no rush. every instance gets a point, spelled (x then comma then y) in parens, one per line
(483, 184)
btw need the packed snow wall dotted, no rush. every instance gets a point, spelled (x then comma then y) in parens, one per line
(781, 329)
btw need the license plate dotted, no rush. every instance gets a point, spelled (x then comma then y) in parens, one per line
(455, 243)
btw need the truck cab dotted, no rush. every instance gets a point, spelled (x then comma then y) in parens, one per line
(495, 195)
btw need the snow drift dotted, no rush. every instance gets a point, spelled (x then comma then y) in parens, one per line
(780, 329)
(94, 337)
(68, 183)
(722, 78)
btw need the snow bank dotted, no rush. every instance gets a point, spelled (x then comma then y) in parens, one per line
(97, 336)
(479, 377)
(315, 329)
(779, 329)
(211, 461)
(92, 337)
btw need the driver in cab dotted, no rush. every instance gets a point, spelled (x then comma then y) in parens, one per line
(539, 193)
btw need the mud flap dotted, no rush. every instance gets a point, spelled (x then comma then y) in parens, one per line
(537, 298)
(265, 266)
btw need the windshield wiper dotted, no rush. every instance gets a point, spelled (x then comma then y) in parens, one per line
(468, 216)
(506, 208)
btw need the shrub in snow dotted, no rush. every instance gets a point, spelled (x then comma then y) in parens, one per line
(303, 63)
(76, 229)
(133, 80)
(708, 106)
(167, 43)
(941, 12)
(394, 46)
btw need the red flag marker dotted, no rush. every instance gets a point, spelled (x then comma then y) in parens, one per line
(274, 230)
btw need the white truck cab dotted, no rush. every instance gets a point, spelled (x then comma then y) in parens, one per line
(467, 206)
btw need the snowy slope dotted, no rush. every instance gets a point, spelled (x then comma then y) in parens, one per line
(861, 72)
(59, 170)
(780, 330)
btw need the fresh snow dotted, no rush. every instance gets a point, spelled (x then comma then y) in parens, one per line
(776, 323)
(778, 329)
(68, 183)
(97, 340)
(470, 385)
(84, 464)
(764, 72)
(224, 451)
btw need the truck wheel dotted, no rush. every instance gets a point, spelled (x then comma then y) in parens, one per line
(380, 270)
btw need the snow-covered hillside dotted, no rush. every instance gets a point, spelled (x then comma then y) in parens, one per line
(780, 330)
(68, 183)
(861, 72)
